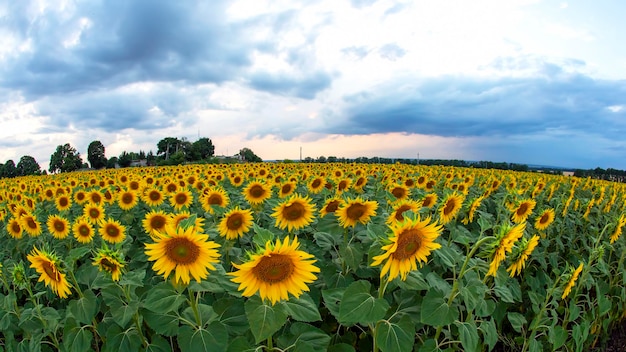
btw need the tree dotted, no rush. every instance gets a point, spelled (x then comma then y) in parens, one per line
(168, 146)
(65, 159)
(9, 169)
(248, 155)
(202, 149)
(112, 162)
(28, 166)
(95, 155)
(125, 159)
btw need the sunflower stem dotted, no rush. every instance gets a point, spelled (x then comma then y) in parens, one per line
(193, 303)
(75, 282)
(537, 319)
(381, 294)
(270, 344)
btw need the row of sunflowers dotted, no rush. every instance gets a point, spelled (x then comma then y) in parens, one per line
(301, 257)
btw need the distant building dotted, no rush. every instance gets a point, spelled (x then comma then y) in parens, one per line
(140, 162)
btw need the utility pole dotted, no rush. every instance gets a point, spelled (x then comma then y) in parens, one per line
(300, 154)
(418, 158)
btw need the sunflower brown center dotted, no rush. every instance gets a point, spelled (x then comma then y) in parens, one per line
(112, 231)
(294, 211)
(182, 251)
(274, 269)
(127, 198)
(398, 192)
(449, 208)
(409, 242)
(108, 265)
(154, 196)
(342, 185)
(16, 227)
(356, 211)
(257, 191)
(63, 202)
(360, 181)
(94, 213)
(96, 198)
(84, 230)
(427, 201)
(544, 219)
(215, 199)
(51, 271)
(237, 180)
(316, 183)
(332, 206)
(157, 222)
(401, 210)
(285, 189)
(31, 223)
(234, 221)
(80, 196)
(181, 198)
(522, 209)
(59, 226)
(171, 187)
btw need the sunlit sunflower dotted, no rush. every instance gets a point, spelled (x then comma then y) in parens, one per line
(58, 226)
(93, 212)
(155, 221)
(214, 196)
(110, 261)
(152, 196)
(316, 185)
(503, 244)
(523, 210)
(31, 225)
(286, 189)
(235, 223)
(545, 219)
(399, 192)
(14, 228)
(47, 265)
(411, 242)
(618, 229)
(178, 218)
(181, 199)
(356, 210)
(95, 197)
(572, 281)
(236, 179)
(450, 207)
(360, 183)
(525, 250)
(82, 230)
(400, 208)
(343, 185)
(80, 196)
(183, 250)
(429, 200)
(472, 209)
(112, 231)
(294, 213)
(62, 202)
(276, 271)
(256, 192)
(331, 205)
(127, 199)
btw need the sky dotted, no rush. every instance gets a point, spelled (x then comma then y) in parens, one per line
(521, 81)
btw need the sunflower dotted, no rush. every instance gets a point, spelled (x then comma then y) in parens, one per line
(93, 212)
(58, 226)
(572, 281)
(545, 219)
(399, 192)
(95, 197)
(472, 209)
(286, 189)
(450, 207)
(429, 200)
(152, 196)
(525, 249)
(236, 179)
(343, 185)
(411, 243)
(155, 221)
(618, 229)
(523, 210)
(47, 265)
(83, 231)
(214, 196)
(235, 223)
(80, 196)
(294, 213)
(109, 261)
(112, 231)
(400, 208)
(62, 202)
(181, 199)
(316, 185)
(127, 199)
(504, 244)
(276, 271)
(31, 225)
(183, 250)
(356, 210)
(330, 206)
(256, 192)
(14, 228)
(360, 183)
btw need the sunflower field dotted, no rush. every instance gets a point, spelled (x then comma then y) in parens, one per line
(310, 257)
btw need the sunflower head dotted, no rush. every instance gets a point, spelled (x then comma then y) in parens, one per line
(330, 206)
(276, 271)
(155, 221)
(294, 213)
(18, 276)
(181, 199)
(355, 211)
(58, 226)
(256, 192)
(48, 265)
(235, 223)
(214, 197)
(83, 230)
(112, 231)
(523, 210)
(545, 219)
(110, 261)
(450, 207)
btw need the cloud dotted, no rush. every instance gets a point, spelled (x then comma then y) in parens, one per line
(305, 87)
(391, 51)
(468, 106)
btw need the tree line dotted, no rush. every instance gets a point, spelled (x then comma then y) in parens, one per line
(170, 151)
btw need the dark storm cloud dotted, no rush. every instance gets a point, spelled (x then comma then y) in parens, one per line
(305, 87)
(463, 106)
